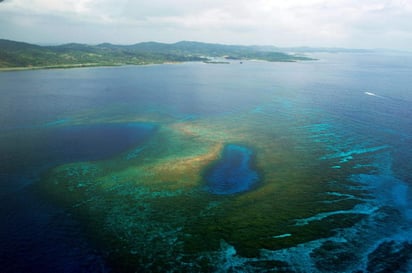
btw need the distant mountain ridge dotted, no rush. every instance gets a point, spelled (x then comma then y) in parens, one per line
(15, 54)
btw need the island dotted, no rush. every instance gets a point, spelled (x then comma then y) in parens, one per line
(19, 55)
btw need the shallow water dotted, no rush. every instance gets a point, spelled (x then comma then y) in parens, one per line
(291, 167)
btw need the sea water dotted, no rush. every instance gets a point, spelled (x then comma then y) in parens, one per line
(38, 237)
(233, 173)
(145, 160)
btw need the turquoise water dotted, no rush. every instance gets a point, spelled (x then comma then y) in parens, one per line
(289, 167)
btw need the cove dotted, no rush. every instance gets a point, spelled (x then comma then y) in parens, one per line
(232, 173)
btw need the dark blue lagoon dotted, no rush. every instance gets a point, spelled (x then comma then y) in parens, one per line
(92, 142)
(29, 152)
(259, 167)
(32, 240)
(233, 172)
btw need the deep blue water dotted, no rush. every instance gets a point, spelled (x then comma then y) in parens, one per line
(354, 104)
(27, 153)
(233, 172)
(36, 236)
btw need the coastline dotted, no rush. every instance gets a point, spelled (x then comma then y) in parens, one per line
(69, 66)
(88, 65)
(18, 56)
(62, 66)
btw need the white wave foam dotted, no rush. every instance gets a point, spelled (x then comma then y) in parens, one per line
(373, 94)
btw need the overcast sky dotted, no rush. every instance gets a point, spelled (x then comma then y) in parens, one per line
(329, 23)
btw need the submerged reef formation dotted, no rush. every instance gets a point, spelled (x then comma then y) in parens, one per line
(189, 199)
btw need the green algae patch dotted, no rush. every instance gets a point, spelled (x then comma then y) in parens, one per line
(150, 211)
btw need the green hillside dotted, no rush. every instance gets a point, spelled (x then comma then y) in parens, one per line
(23, 55)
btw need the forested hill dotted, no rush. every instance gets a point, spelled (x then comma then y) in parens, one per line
(23, 55)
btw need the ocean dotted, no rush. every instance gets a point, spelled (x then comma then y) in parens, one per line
(193, 167)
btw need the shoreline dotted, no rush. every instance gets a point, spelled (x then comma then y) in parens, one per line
(88, 65)
(68, 66)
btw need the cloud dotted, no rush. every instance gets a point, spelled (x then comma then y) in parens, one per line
(351, 23)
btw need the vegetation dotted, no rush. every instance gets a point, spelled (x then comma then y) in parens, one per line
(23, 55)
